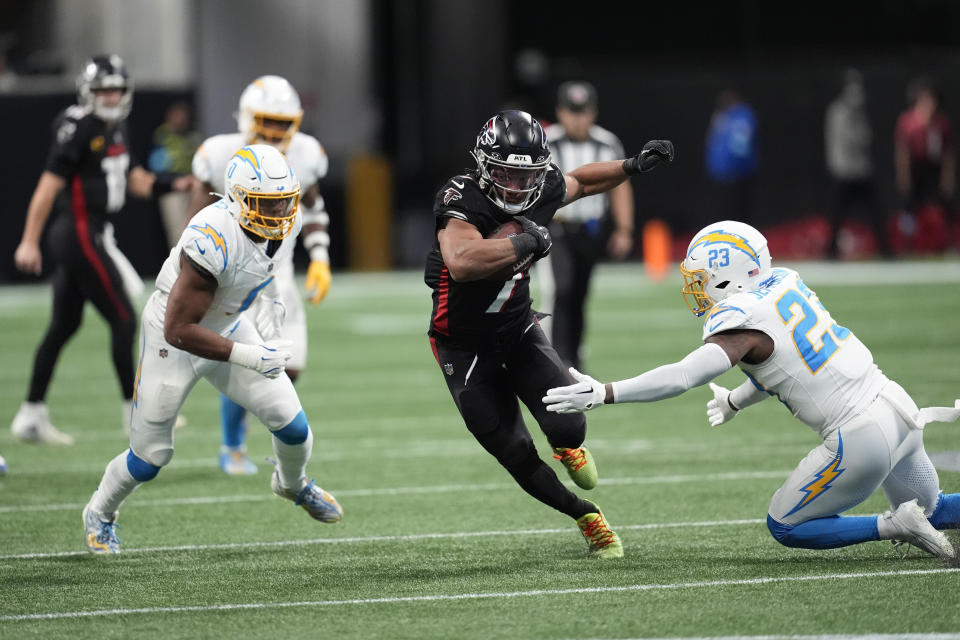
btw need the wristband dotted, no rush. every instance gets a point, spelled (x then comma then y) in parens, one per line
(631, 166)
(245, 355)
(163, 183)
(319, 254)
(316, 239)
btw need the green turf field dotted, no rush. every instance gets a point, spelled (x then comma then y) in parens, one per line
(437, 541)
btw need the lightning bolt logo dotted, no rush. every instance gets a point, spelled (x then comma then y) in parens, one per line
(218, 242)
(822, 479)
(247, 155)
(727, 238)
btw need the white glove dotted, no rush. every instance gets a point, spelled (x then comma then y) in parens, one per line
(269, 358)
(586, 394)
(269, 316)
(719, 409)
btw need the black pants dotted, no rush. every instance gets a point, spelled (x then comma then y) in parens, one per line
(84, 271)
(485, 385)
(852, 197)
(576, 251)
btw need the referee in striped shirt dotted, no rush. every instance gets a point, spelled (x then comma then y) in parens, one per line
(584, 231)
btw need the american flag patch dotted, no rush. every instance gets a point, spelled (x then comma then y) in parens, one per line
(753, 272)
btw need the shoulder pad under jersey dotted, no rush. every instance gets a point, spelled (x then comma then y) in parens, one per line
(209, 238)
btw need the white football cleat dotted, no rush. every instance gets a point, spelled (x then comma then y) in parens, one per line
(320, 504)
(909, 524)
(32, 424)
(101, 535)
(234, 461)
(3, 466)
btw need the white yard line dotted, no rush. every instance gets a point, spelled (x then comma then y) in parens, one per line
(395, 491)
(416, 537)
(475, 596)
(830, 636)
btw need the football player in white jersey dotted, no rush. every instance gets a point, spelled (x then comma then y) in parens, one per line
(770, 324)
(194, 327)
(270, 113)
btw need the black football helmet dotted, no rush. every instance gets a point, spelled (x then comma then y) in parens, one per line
(513, 158)
(105, 72)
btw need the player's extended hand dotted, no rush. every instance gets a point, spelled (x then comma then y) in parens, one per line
(539, 233)
(318, 280)
(654, 153)
(719, 409)
(28, 258)
(270, 314)
(268, 359)
(586, 394)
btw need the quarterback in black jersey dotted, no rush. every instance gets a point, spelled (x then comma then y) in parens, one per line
(88, 174)
(484, 334)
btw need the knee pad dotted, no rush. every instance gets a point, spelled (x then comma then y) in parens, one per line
(522, 463)
(781, 532)
(296, 432)
(140, 469)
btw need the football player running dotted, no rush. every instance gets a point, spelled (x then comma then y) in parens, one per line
(270, 113)
(88, 175)
(194, 326)
(774, 327)
(485, 336)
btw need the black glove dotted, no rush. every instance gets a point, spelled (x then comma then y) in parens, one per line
(654, 153)
(534, 239)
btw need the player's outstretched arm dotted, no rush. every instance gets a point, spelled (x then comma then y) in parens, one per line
(667, 381)
(599, 177)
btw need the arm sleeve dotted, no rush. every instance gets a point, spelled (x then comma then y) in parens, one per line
(747, 394)
(670, 380)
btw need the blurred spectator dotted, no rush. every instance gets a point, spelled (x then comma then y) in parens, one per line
(848, 139)
(588, 229)
(174, 145)
(924, 153)
(731, 157)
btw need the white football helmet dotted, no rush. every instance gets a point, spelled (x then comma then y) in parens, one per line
(723, 259)
(269, 112)
(262, 191)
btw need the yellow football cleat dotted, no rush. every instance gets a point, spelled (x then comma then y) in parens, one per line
(579, 464)
(603, 542)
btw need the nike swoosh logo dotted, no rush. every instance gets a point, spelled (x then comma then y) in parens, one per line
(202, 251)
(459, 186)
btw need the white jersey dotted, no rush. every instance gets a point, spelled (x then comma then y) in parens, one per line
(818, 369)
(305, 155)
(216, 242)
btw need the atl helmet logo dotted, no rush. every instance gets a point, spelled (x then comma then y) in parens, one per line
(450, 195)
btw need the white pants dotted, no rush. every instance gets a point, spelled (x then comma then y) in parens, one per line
(880, 448)
(166, 375)
(295, 322)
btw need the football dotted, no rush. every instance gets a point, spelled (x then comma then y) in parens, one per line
(506, 230)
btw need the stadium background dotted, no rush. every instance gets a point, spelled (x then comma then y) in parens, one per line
(408, 83)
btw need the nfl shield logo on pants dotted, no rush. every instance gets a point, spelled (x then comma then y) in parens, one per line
(448, 368)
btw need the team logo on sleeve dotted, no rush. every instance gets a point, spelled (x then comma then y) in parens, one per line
(218, 242)
(450, 195)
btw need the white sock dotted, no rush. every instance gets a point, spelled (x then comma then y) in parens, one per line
(292, 461)
(115, 486)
